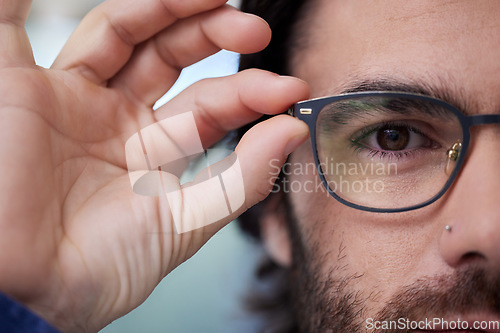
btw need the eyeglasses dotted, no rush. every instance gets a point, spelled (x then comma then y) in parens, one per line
(387, 151)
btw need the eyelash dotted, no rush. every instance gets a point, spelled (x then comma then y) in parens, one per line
(365, 132)
(384, 154)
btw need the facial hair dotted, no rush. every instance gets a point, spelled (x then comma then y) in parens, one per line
(333, 303)
(329, 305)
(470, 290)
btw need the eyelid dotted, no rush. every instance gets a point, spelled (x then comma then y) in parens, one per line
(366, 131)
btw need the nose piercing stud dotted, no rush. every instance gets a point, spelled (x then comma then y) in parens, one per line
(448, 228)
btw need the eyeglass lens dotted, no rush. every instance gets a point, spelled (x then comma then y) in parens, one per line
(387, 152)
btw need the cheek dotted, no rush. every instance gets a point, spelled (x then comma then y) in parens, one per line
(389, 251)
(328, 228)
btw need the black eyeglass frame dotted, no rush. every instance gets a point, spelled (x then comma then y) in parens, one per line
(309, 110)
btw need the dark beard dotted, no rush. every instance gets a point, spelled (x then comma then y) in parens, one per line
(470, 290)
(330, 306)
(325, 306)
(334, 305)
(319, 305)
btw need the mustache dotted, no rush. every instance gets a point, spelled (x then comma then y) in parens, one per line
(470, 290)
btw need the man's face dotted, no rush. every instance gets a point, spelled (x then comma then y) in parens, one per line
(375, 265)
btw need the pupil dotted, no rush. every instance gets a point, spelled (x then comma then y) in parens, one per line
(393, 137)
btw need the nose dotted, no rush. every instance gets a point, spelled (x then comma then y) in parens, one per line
(472, 208)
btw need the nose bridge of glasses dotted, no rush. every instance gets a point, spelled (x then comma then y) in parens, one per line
(454, 152)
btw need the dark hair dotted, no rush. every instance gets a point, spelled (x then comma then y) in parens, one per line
(282, 16)
(271, 294)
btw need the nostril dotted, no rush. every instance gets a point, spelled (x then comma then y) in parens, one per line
(471, 257)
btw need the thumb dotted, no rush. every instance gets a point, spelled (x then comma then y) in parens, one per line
(15, 49)
(195, 211)
(263, 151)
(221, 192)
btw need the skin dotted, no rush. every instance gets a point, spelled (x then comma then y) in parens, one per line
(80, 251)
(450, 44)
(79, 247)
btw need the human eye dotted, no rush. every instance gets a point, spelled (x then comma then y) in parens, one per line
(394, 140)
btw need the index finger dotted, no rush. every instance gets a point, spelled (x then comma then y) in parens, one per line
(103, 43)
(15, 49)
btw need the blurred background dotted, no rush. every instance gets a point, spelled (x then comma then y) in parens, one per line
(205, 293)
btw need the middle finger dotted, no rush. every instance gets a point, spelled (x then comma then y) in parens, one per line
(103, 43)
(156, 64)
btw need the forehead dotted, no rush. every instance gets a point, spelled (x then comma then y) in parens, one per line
(451, 43)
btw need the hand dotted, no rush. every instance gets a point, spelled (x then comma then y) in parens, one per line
(78, 246)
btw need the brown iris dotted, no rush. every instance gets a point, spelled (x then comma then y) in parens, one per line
(393, 137)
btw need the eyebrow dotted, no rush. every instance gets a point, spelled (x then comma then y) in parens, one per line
(344, 111)
(445, 92)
